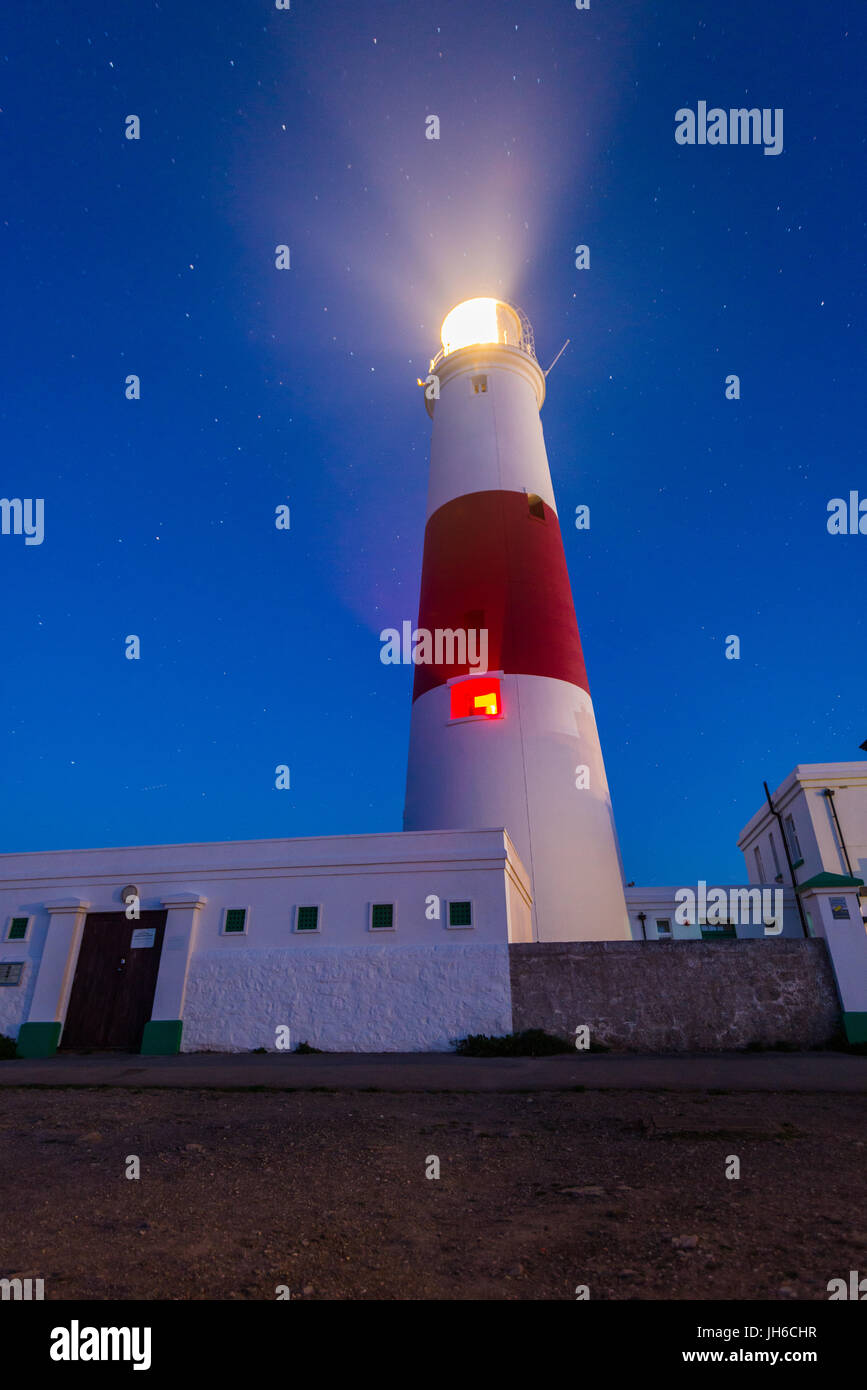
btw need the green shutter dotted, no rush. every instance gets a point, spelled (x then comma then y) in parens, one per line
(308, 919)
(236, 919)
(381, 916)
(460, 914)
(18, 928)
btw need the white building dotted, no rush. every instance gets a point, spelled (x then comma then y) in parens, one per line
(396, 942)
(819, 815)
(824, 834)
(358, 943)
(654, 914)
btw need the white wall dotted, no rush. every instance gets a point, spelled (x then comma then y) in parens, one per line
(394, 998)
(850, 802)
(521, 769)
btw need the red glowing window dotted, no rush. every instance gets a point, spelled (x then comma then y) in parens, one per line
(479, 696)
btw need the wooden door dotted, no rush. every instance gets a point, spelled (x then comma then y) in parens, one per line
(115, 980)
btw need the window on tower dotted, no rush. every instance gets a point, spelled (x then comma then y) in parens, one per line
(477, 697)
(536, 505)
(480, 385)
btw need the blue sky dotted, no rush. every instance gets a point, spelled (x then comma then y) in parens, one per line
(258, 387)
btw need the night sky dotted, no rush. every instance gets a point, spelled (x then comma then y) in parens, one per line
(306, 127)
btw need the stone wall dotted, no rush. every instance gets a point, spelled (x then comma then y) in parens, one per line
(678, 996)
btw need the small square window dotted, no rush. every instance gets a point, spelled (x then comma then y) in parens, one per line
(480, 385)
(477, 698)
(236, 920)
(382, 916)
(663, 927)
(10, 972)
(307, 919)
(460, 914)
(18, 927)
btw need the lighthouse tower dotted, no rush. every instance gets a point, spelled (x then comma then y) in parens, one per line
(510, 740)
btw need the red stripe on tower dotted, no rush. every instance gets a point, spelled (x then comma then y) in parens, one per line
(492, 563)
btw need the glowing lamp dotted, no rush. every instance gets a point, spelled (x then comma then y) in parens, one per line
(478, 697)
(480, 321)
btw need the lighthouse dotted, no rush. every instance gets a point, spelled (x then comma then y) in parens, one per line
(502, 731)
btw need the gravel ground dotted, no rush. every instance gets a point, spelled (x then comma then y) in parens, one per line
(326, 1193)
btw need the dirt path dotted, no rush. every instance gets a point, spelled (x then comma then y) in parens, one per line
(327, 1194)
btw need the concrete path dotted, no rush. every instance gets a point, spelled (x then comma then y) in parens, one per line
(432, 1071)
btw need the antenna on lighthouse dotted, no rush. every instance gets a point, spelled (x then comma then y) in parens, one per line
(559, 355)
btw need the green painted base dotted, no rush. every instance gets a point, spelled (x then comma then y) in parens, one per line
(38, 1039)
(162, 1037)
(856, 1027)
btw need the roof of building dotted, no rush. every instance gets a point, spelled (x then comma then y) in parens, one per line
(826, 880)
(802, 775)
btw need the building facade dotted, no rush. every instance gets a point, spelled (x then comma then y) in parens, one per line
(360, 943)
(655, 913)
